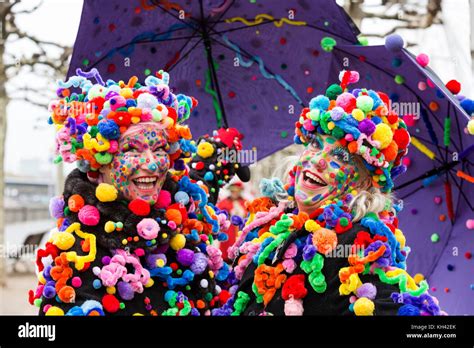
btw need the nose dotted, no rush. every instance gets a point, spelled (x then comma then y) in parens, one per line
(149, 161)
(321, 164)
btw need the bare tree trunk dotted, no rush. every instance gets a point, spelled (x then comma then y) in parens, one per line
(3, 132)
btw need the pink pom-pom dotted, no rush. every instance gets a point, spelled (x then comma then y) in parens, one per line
(470, 224)
(148, 229)
(423, 59)
(76, 282)
(410, 120)
(347, 101)
(89, 215)
(294, 307)
(406, 161)
(164, 199)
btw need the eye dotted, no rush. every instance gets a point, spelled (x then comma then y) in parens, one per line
(342, 155)
(159, 150)
(316, 143)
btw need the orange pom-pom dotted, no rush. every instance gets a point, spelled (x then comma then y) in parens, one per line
(75, 203)
(325, 240)
(352, 147)
(67, 294)
(391, 151)
(174, 215)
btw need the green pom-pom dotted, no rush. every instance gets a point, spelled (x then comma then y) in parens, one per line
(365, 103)
(333, 91)
(67, 211)
(103, 157)
(328, 43)
(399, 79)
(38, 302)
(343, 222)
(363, 41)
(435, 237)
(338, 133)
(93, 131)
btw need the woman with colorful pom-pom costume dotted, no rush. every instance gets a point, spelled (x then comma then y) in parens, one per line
(328, 242)
(134, 232)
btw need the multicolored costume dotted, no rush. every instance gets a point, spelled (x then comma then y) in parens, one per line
(290, 263)
(111, 256)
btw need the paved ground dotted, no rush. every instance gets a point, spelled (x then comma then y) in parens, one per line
(14, 297)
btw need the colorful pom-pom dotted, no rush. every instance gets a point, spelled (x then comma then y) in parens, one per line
(139, 207)
(89, 215)
(423, 59)
(106, 192)
(364, 307)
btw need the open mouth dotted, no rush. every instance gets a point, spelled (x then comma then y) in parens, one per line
(145, 183)
(313, 180)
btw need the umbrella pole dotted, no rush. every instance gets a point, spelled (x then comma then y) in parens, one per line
(212, 69)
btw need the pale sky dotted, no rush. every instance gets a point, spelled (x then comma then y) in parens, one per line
(29, 135)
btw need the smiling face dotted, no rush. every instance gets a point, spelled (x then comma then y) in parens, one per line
(139, 168)
(326, 170)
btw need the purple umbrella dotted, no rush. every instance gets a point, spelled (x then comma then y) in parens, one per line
(437, 200)
(250, 64)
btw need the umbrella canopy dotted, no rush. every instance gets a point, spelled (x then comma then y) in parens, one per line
(250, 64)
(437, 192)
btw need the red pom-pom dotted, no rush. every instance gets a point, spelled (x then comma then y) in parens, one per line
(139, 207)
(110, 303)
(402, 138)
(468, 255)
(454, 86)
(199, 165)
(294, 286)
(224, 295)
(172, 113)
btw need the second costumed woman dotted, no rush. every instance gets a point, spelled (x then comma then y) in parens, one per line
(328, 242)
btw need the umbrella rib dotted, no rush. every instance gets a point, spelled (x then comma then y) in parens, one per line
(247, 55)
(140, 42)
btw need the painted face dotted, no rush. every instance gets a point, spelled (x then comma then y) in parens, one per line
(139, 169)
(325, 170)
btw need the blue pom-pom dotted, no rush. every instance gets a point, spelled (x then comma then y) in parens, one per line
(96, 284)
(408, 310)
(109, 129)
(320, 102)
(468, 105)
(394, 42)
(208, 176)
(222, 237)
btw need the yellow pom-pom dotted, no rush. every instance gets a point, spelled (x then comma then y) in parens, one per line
(41, 278)
(383, 134)
(418, 278)
(331, 125)
(106, 193)
(205, 149)
(311, 226)
(135, 119)
(211, 274)
(109, 226)
(364, 306)
(150, 283)
(111, 290)
(470, 127)
(358, 114)
(178, 242)
(160, 263)
(127, 93)
(54, 311)
(63, 240)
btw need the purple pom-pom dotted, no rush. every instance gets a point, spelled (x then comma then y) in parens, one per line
(199, 263)
(153, 258)
(308, 252)
(367, 127)
(185, 257)
(367, 290)
(49, 291)
(179, 165)
(394, 42)
(56, 207)
(125, 290)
